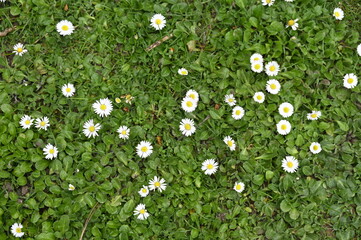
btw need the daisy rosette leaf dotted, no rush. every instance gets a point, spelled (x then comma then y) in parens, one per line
(103, 107)
(290, 164)
(144, 149)
(19, 49)
(209, 166)
(16, 230)
(141, 212)
(157, 183)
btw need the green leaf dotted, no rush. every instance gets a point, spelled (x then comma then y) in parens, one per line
(275, 27)
(6, 108)
(343, 126)
(285, 206)
(294, 214)
(214, 114)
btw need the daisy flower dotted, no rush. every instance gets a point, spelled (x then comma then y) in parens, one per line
(273, 86)
(90, 129)
(42, 123)
(68, 90)
(293, 24)
(2, 0)
(272, 68)
(350, 80)
(118, 100)
(315, 147)
(268, 2)
(256, 57)
(286, 109)
(209, 166)
(359, 49)
(71, 187)
(183, 71)
(157, 183)
(129, 98)
(65, 27)
(187, 127)
(284, 127)
(257, 67)
(338, 13)
(239, 187)
(144, 149)
(16, 230)
(158, 21)
(290, 164)
(50, 151)
(192, 94)
(19, 49)
(123, 132)
(141, 212)
(314, 115)
(144, 191)
(26, 122)
(103, 107)
(230, 143)
(189, 104)
(259, 97)
(237, 112)
(230, 100)
(289, 0)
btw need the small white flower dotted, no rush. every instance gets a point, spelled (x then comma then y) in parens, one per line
(42, 123)
(350, 80)
(338, 13)
(65, 27)
(230, 143)
(239, 187)
(187, 127)
(71, 187)
(272, 68)
(359, 49)
(192, 94)
(315, 147)
(141, 212)
(290, 164)
(293, 24)
(284, 127)
(123, 132)
(90, 129)
(158, 21)
(268, 2)
(16, 230)
(209, 166)
(259, 97)
(189, 104)
(26, 122)
(68, 90)
(230, 100)
(19, 49)
(314, 115)
(257, 67)
(256, 57)
(183, 71)
(237, 112)
(157, 183)
(144, 191)
(103, 107)
(2, 0)
(273, 86)
(50, 151)
(286, 109)
(144, 149)
(289, 0)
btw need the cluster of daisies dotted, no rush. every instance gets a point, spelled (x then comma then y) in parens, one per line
(40, 123)
(189, 104)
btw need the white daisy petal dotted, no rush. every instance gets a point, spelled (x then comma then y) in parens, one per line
(259, 97)
(16, 230)
(103, 107)
(90, 129)
(268, 2)
(350, 80)
(284, 127)
(238, 112)
(239, 187)
(157, 183)
(257, 67)
(141, 212)
(26, 122)
(42, 123)
(158, 21)
(273, 86)
(183, 71)
(192, 94)
(230, 143)
(338, 13)
(19, 49)
(230, 100)
(187, 127)
(189, 104)
(315, 147)
(314, 115)
(144, 191)
(256, 57)
(50, 151)
(144, 149)
(286, 109)
(272, 68)
(290, 164)
(65, 27)
(209, 166)
(123, 132)
(68, 90)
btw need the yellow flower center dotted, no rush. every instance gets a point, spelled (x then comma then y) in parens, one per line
(187, 126)
(230, 100)
(65, 28)
(42, 123)
(238, 187)
(19, 50)
(189, 104)
(337, 14)
(273, 86)
(289, 164)
(350, 80)
(27, 122)
(158, 21)
(183, 72)
(117, 100)
(315, 147)
(283, 126)
(286, 109)
(157, 184)
(142, 211)
(91, 128)
(210, 166)
(144, 190)
(230, 143)
(71, 187)
(67, 89)
(192, 96)
(257, 66)
(144, 149)
(124, 132)
(291, 22)
(313, 115)
(272, 68)
(268, 1)
(238, 112)
(103, 107)
(256, 59)
(259, 97)
(51, 151)
(18, 230)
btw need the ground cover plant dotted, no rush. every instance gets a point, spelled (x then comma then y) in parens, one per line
(229, 119)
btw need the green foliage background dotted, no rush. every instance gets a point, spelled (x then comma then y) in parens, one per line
(106, 57)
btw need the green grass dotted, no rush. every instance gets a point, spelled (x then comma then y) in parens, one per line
(106, 57)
